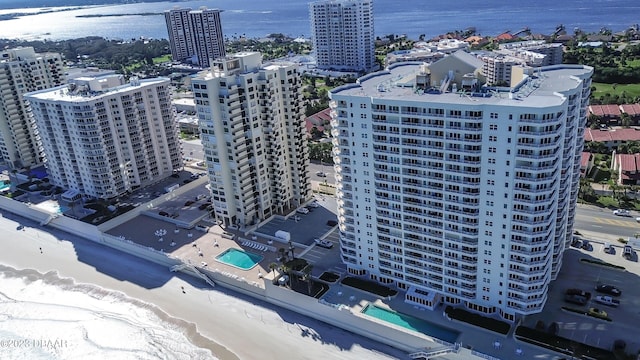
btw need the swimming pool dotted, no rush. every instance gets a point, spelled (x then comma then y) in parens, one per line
(4, 186)
(240, 259)
(412, 323)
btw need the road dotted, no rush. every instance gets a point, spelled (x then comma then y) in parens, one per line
(192, 150)
(603, 225)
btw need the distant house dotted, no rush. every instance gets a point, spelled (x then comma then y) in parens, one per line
(504, 37)
(633, 110)
(612, 138)
(608, 113)
(627, 167)
(586, 163)
(320, 121)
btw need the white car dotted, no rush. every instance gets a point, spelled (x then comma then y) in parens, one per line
(607, 300)
(313, 205)
(621, 212)
(303, 210)
(323, 243)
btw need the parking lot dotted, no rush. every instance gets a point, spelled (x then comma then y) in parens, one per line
(303, 227)
(576, 273)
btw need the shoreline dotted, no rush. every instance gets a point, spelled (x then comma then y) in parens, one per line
(245, 327)
(69, 285)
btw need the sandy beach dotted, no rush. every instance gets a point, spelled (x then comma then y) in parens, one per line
(231, 325)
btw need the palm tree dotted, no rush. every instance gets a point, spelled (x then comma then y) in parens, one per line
(306, 276)
(285, 268)
(615, 188)
(272, 267)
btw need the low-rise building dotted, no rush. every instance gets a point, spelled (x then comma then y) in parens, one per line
(612, 138)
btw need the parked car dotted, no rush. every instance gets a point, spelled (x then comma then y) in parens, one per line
(595, 312)
(586, 245)
(313, 205)
(621, 212)
(608, 248)
(607, 300)
(627, 252)
(332, 223)
(576, 299)
(323, 243)
(321, 174)
(578, 292)
(303, 210)
(608, 289)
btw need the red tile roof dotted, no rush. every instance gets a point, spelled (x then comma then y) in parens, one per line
(584, 160)
(317, 120)
(612, 135)
(631, 109)
(505, 36)
(630, 166)
(320, 117)
(605, 110)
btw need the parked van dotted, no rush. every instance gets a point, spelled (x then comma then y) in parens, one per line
(627, 252)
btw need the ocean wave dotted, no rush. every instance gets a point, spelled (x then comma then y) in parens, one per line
(45, 316)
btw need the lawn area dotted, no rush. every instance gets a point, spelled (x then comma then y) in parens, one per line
(632, 90)
(162, 59)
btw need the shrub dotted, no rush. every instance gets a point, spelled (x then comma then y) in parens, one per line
(488, 323)
(369, 286)
(559, 343)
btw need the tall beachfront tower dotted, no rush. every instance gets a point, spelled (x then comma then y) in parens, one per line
(103, 137)
(180, 34)
(23, 70)
(458, 193)
(195, 34)
(251, 123)
(343, 34)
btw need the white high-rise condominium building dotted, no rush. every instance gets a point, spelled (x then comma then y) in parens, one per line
(23, 70)
(103, 137)
(252, 128)
(343, 35)
(458, 195)
(195, 35)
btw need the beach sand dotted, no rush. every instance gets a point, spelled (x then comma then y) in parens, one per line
(231, 325)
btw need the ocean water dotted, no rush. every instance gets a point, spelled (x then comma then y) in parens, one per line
(45, 317)
(258, 18)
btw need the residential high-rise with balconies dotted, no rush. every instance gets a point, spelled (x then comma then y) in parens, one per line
(23, 70)
(103, 137)
(252, 128)
(343, 34)
(195, 35)
(457, 193)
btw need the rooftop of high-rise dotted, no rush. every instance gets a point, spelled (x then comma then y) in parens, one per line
(88, 87)
(459, 80)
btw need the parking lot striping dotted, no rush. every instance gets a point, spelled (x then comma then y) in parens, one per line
(615, 222)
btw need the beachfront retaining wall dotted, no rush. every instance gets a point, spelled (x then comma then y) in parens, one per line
(343, 318)
(23, 209)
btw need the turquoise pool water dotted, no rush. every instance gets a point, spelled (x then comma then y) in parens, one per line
(4, 186)
(240, 259)
(412, 323)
